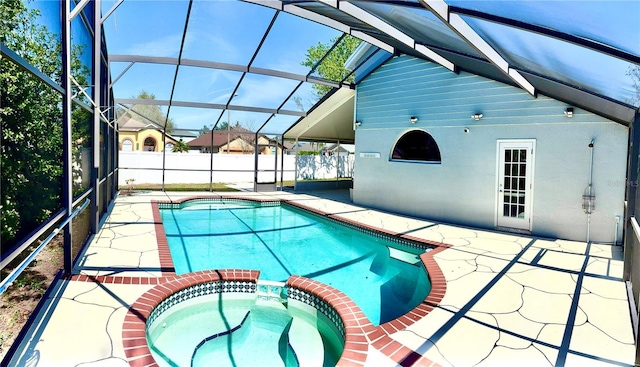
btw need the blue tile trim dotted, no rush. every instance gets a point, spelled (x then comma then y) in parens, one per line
(198, 290)
(325, 308)
(183, 204)
(397, 240)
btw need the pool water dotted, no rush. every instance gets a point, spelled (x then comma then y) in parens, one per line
(239, 332)
(385, 279)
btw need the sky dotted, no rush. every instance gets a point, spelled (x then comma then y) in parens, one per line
(229, 31)
(219, 31)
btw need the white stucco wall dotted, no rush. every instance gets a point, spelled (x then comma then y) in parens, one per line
(463, 188)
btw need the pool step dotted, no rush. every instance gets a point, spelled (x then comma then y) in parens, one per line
(268, 290)
(257, 341)
(403, 256)
(307, 343)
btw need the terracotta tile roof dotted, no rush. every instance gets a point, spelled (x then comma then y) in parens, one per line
(220, 137)
(128, 123)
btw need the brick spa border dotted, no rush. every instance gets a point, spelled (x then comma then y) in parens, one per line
(134, 338)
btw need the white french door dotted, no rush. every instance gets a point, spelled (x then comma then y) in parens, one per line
(515, 183)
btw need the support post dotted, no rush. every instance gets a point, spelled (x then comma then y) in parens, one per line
(338, 165)
(631, 250)
(97, 123)
(275, 168)
(211, 164)
(632, 186)
(164, 152)
(295, 173)
(116, 148)
(255, 163)
(67, 176)
(281, 163)
(95, 166)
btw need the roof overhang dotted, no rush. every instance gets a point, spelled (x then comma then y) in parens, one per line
(330, 121)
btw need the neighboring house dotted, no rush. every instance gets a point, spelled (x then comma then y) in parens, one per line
(184, 135)
(295, 147)
(523, 164)
(339, 149)
(241, 141)
(135, 136)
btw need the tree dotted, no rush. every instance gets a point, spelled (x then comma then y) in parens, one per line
(298, 101)
(153, 113)
(31, 123)
(634, 73)
(205, 129)
(332, 67)
(180, 147)
(223, 125)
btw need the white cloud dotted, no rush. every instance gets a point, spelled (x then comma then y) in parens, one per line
(168, 46)
(263, 91)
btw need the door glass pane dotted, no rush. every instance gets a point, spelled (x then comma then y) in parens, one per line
(514, 186)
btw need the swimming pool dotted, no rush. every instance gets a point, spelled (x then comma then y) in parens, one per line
(383, 277)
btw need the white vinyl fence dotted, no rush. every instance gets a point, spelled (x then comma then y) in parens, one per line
(146, 167)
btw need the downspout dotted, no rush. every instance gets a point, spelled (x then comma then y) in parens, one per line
(589, 196)
(615, 234)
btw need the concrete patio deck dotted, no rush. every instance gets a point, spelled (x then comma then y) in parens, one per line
(510, 300)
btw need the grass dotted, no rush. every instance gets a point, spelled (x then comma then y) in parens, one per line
(177, 187)
(217, 186)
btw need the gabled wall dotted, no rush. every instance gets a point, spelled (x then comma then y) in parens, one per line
(137, 138)
(463, 188)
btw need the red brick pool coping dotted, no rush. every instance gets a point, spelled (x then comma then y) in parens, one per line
(360, 333)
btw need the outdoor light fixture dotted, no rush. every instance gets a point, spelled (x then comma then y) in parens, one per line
(569, 112)
(413, 119)
(358, 123)
(466, 130)
(477, 116)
